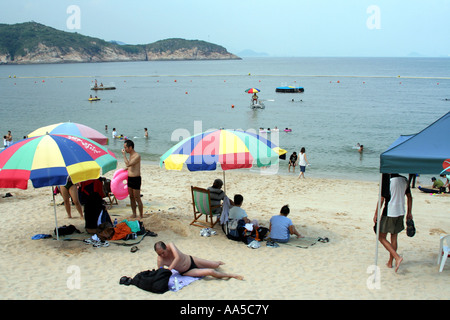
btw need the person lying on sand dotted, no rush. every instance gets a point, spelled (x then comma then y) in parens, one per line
(169, 255)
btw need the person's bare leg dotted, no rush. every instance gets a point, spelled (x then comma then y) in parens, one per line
(66, 197)
(203, 263)
(212, 273)
(74, 195)
(132, 203)
(391, 251)
(137, 198)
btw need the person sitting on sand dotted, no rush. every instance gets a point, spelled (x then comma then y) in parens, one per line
(169, 255)
(437, 183)
(237, 213)
(281, 227)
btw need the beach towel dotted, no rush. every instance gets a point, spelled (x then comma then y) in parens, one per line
(134, 225)
(182, 281)
(121, 231)
(225, 209)
(304, 243)
(41, 236)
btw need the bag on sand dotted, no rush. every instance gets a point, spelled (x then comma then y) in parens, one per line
(156, 281)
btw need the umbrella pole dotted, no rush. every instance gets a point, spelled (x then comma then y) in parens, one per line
(224, 185)
(54, 209)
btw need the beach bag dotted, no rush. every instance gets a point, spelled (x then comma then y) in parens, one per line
(156, 281)
(66, 230)
(105, 231)
(235, 230)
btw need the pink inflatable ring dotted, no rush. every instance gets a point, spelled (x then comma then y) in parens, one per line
(119, 184)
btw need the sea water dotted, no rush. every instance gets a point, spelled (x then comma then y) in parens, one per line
(371, 101)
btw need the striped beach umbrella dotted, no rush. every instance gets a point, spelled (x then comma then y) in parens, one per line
(49, 160)
(252, 90)
(233, 149)
(71, 128)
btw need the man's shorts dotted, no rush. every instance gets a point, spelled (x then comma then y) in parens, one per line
(134, 183)
(391, 225)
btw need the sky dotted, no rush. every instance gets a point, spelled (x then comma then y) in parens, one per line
(279, 28)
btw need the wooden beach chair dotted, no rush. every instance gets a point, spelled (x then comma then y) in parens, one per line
(108, 193)
(201, 203)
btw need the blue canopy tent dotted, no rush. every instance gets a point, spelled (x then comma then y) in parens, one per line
(427, 152)
(424, 152)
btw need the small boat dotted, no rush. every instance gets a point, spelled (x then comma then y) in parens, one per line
(103, 88)
(290, 89)
(94, 99)
(287, 130)
(257, 104)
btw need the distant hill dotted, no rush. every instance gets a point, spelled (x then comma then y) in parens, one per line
(31, 42)
(251, 53)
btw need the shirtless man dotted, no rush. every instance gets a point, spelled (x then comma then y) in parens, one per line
(134, 177)
(171, 256)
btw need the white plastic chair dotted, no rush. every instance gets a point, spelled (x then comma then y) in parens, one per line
(444, 251)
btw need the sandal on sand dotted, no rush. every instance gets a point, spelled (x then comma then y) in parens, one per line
(151, 234)
(323, 240)
(134, 249)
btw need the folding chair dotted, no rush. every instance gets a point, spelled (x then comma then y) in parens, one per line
(444, 251)
(108, 194)
(201, 203)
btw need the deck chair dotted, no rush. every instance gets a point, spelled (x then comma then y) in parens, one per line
(108, 193)
(201, 203)
(444, 251)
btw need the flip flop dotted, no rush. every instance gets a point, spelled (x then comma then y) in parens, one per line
(151, 234)
(134, 249)
(410, 229)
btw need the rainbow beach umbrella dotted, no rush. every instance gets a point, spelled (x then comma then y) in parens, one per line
(233, 149)
(50, 159)
(71, 128)
(252, 90)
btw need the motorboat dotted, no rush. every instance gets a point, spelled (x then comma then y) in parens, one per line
(290, 89)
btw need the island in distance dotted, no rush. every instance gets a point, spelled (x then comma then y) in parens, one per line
(32, 42)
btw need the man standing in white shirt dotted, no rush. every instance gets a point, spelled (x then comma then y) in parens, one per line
(392, 220)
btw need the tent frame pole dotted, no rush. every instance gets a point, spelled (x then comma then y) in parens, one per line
(54, 209)
(379, 213)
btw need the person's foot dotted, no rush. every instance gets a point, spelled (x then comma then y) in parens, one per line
(398, 263)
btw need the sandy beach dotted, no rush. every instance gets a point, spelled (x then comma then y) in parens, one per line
(341, 210)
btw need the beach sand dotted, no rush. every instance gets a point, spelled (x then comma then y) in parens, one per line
(341, 210)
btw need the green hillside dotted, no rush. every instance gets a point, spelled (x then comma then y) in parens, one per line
(19, 39)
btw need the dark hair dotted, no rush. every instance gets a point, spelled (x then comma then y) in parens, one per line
(218, 183)
(160, 244)
(238, 199)
(129, 143)
(285, 210)
(303, 150)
